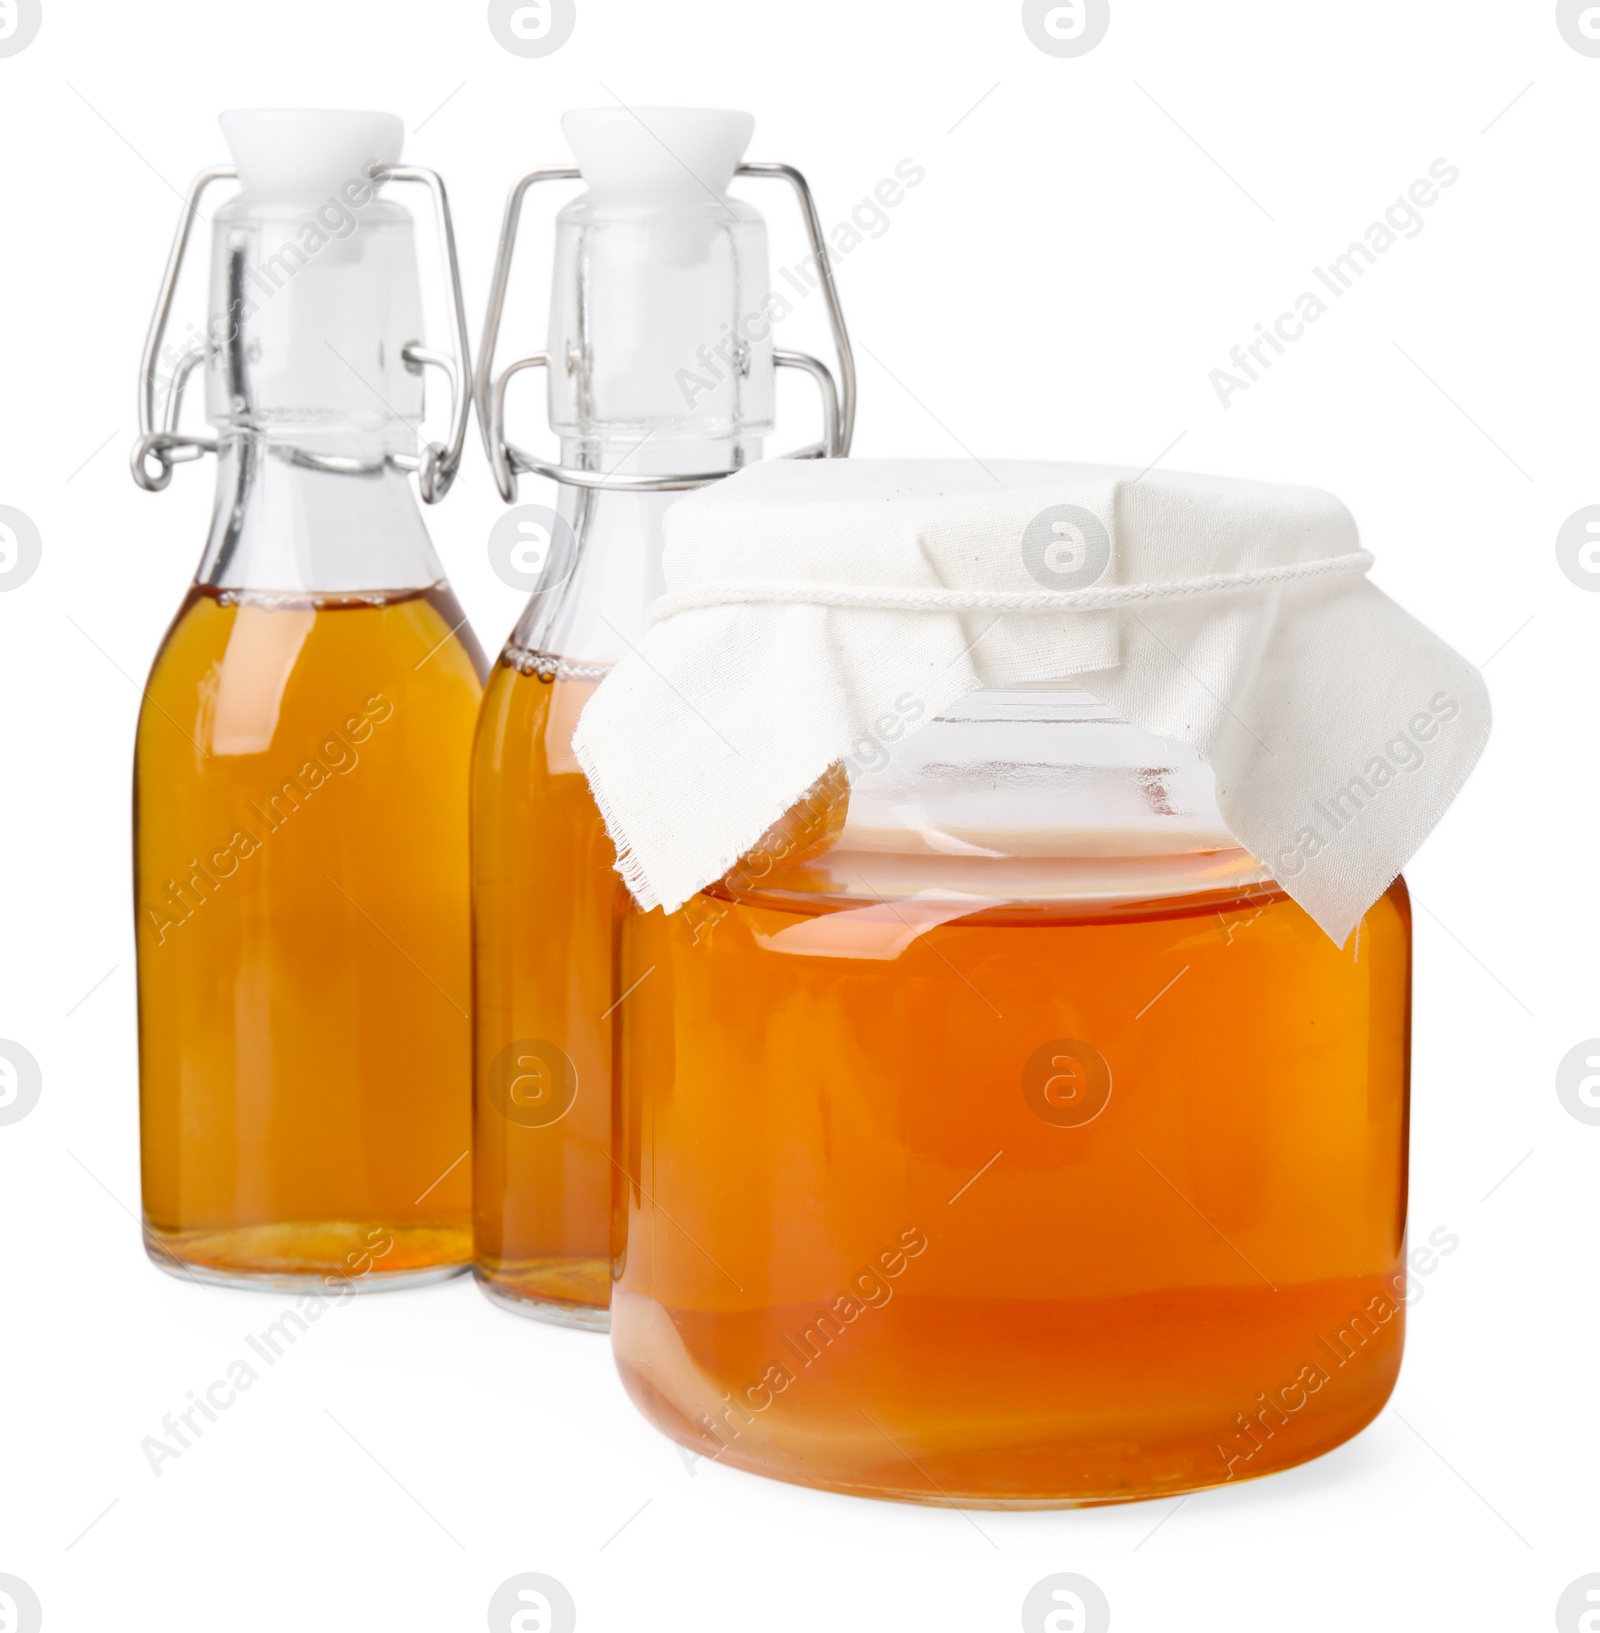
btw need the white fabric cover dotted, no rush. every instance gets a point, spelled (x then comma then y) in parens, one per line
(804, 598)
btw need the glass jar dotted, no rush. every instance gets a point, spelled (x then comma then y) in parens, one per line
(998, 1132)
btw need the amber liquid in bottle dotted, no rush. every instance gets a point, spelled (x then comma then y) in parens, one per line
(302, 903)
(875, 1242)
(643, 272)
(546, 905)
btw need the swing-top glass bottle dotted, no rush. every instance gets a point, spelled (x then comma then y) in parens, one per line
(661, 364)
(300, 831)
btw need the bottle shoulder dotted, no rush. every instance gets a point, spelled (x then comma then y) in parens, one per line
(531, 706)
(242, 671)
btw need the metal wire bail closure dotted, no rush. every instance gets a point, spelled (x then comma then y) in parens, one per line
(508, 461)
(161, 446)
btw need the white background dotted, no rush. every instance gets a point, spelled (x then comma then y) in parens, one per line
(1060, 287)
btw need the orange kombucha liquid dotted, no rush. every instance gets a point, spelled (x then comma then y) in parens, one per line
(1024, 1210)
(301, 890)
(546, 906)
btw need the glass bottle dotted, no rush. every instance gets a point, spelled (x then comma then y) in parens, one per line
(661, 336)
(300, 821)
(999, 1132)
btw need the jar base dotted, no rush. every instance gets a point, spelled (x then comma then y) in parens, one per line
(1005, 1505)
(319, 1256)
(539, 1307)
(1048, 1410)
(886, 1490)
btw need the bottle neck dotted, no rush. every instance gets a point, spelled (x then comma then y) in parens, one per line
(283, 526)
(594, 604)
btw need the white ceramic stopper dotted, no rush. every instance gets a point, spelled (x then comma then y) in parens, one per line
(628, 152)
(308, 153)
